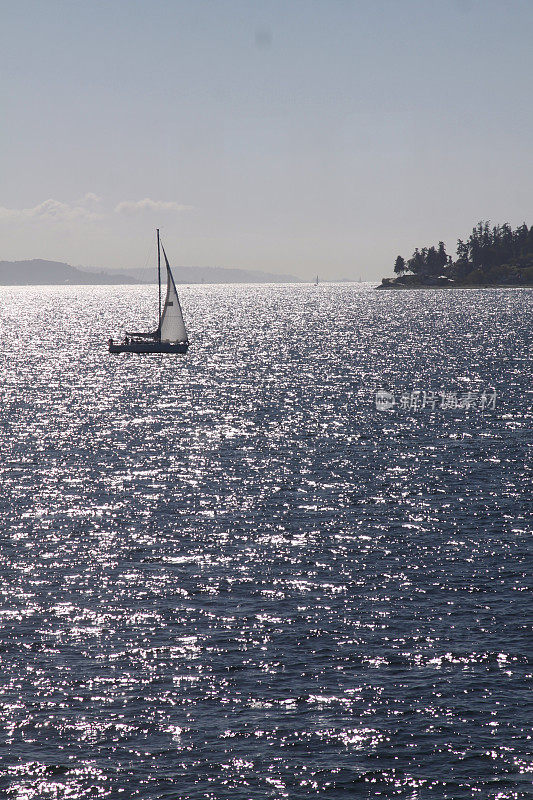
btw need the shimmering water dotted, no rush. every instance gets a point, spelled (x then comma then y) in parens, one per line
(227, 575)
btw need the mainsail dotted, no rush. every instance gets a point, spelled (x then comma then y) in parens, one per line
(171, 325)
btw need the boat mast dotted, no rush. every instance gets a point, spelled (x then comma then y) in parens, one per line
(159, 275)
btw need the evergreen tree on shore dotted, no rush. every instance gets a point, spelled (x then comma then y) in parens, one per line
(399, 265)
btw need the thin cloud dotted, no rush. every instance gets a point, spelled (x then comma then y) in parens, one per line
(84, 209)
(130, 207)
(49, 211)
(91, 197)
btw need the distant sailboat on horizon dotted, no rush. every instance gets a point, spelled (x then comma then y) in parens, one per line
(170, 335)
(316, 282)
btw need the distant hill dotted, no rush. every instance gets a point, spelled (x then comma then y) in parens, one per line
(39, 272)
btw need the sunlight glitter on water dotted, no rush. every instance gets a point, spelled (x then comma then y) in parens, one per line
(236, 558)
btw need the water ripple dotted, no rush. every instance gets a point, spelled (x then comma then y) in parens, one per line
(230, 576)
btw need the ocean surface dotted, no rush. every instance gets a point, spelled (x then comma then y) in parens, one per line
(230, 576)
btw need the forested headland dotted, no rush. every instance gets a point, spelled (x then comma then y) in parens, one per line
(491, 256)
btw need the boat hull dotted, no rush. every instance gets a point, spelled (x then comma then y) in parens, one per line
(144, 348)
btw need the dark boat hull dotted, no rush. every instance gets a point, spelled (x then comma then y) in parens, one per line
(149, 347)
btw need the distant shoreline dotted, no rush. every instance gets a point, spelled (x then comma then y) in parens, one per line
(403, 286)
(139, 284)
(39, 272)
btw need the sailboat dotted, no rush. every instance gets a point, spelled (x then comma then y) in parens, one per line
(316, 282)
(170, 335)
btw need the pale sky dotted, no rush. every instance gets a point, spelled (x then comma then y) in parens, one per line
(302, 136)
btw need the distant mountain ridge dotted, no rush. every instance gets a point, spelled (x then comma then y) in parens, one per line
(40, 272)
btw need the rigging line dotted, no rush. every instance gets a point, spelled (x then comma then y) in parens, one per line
(144, 272)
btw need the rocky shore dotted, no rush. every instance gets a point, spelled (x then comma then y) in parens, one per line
(443, 282)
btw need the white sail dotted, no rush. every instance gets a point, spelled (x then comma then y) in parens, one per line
(172, 326)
